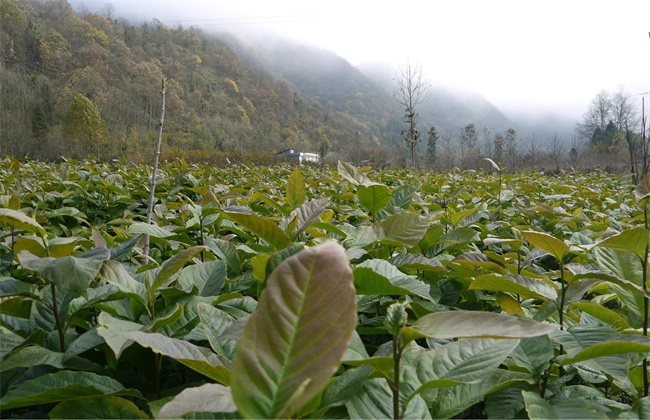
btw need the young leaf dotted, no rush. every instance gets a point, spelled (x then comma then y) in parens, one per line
(352, 174)
(373, 197)
(296, 337)
(465, 324)
(405, 228)
(296, 190)
(632, 240)
(263, 228)
(548, 243)
(174, 264)
(20, 220)
(514, 284)
(379, 277)
(98, 407)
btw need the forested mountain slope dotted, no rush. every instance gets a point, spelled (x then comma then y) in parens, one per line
(214, 99)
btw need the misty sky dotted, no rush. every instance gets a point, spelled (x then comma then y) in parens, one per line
(526, 55)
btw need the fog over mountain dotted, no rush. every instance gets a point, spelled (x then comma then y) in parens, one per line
(531, 65)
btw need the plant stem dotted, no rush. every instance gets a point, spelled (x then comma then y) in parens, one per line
(57, 320)
(158, 361)
(644, 280)
(397, 355)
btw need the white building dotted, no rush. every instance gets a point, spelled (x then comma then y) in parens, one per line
(300, 156)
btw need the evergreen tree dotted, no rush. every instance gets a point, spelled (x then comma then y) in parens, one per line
(84, 125)
(498, 147)
(40, 127)
(432, 152)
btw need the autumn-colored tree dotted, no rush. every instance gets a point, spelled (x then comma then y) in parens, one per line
(84, 125)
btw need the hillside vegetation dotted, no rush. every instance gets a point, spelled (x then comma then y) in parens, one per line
(214, 99)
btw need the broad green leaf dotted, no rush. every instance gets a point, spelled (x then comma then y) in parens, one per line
(465, 324)
(196, 358)
(640, 410)
(612, 278)
(566, 408)
(149, 229)
(20, 220)
(295, 339)
(36, 356)
(514, 284)
(174, 264)
(264, 228)
(208, 277)
(296, 190)
(171, 315)
(466, 361)
(548, 243)
(580, 337)
(453, 400)
(375, 401)
(403, 228)
(62, 386)
(534, 354)
(603, 349)
(215, 322)
(379, 277)
(309, 212)
(111, 328)
(632, 240)
(113, 272)
(603, 313)
(97, 407)
(402, 196)
(373, 197)
(348, 383)
(457, 217)
(227, 252)
(352, 174)
(70, 273)
(258, 196)
(208, 398)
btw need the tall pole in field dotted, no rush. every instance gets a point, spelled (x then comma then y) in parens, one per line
(152, 185)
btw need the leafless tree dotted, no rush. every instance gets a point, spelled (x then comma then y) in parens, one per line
(534, 150)
(622, 109)
(556, 150)
(597, 116)
(412, 89)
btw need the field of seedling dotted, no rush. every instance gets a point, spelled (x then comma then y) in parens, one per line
(321, 292)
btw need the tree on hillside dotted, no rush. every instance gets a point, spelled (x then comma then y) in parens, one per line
(432, 152)
(623, 110)
(412, 89)
(468, 138)
(512, 148)
(597, 116)
(40, 127)
(498, 147)
(84, 125)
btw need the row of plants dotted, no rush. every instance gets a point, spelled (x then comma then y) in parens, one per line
(321, 292)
